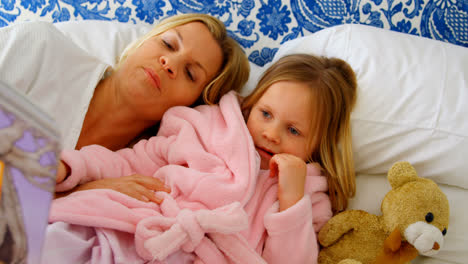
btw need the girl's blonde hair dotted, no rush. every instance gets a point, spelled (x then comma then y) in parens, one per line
(334, 87)
(235, 68)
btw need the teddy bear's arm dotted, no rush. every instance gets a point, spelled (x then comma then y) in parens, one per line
(396, 251)
(339, 225)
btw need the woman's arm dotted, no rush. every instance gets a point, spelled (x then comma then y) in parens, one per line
(138, 186)
(95, 167)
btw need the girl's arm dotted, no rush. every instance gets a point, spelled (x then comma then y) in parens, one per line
(291, 236)
(302, 209)
(291, 172)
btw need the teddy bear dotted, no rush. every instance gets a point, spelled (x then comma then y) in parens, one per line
(414, 220)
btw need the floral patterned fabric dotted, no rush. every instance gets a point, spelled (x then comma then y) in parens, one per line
(261, 26)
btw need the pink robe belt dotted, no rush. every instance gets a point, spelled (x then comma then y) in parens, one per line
(157, 237)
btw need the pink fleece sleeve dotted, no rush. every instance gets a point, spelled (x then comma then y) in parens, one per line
(96, 162)
(291, 236)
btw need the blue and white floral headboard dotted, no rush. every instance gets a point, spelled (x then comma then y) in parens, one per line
(261, 26)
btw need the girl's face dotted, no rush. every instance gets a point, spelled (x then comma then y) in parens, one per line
(280, 121)
(169, 69)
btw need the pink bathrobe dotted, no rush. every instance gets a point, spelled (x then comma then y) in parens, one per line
(221, 208)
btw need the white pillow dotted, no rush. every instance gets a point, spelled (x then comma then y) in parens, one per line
(412, 99)
(103, 39)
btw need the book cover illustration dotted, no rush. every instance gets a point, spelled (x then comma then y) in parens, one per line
(28, 159)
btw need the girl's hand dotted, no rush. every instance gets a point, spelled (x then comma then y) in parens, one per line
(137, 186)
(291, 172)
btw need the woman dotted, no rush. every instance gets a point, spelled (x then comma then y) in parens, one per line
(184, 58)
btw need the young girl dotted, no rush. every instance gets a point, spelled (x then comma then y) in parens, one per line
(316, 119)
(241, 192)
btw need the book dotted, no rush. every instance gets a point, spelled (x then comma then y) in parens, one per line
(29, 151)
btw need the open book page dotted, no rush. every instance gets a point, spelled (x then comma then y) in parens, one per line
(29, 148)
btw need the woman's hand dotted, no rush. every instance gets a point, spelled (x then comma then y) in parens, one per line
(137, 186)
(63, 170)
(291, 172)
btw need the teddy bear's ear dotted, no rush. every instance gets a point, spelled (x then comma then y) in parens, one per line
(401, 173)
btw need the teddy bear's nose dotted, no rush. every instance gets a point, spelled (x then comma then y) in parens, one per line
(436, 246)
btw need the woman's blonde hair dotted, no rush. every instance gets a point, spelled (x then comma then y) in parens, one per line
(334, 87)
(235, 68)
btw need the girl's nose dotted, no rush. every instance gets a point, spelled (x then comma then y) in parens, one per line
(168, 66)
(272, 134)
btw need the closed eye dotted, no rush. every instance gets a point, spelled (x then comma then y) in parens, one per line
(189, 74)
(167, 44)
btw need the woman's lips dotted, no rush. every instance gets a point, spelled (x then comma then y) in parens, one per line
(153, 77)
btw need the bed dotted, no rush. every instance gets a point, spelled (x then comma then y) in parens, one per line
(411, 59)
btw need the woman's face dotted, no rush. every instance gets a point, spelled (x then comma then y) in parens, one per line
(280, 121)
(169, 69)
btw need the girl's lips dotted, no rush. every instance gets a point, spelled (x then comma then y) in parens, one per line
(265, 152)
(153, 77)
(265, 157)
